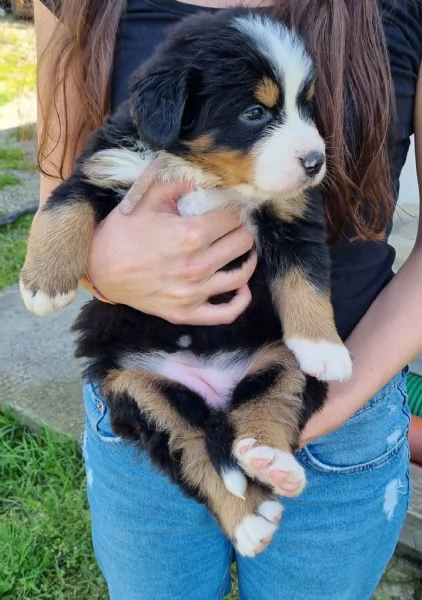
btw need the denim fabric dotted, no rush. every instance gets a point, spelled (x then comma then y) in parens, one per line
(333, 543)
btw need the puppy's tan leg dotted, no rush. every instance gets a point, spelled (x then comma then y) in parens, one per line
(57, 255)
(309, 329)
(249, 522)
(266, 421)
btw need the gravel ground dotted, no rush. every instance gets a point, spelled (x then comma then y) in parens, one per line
(17, 130)
(18, 197)
(403, 578)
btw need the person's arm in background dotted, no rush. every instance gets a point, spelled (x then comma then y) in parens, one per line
(153, 259)
(390, 334)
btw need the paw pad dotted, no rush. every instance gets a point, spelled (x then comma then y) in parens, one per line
(271, 466)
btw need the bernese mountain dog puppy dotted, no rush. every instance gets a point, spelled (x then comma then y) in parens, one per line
(227, 100)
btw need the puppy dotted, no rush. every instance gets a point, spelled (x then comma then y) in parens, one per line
(227, 100)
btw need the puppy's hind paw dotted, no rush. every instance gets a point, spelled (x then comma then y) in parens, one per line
(255, 532)
(41, 303)
(235, 481)
(271, 466)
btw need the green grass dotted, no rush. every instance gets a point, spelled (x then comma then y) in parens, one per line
(12, 251)
(44, 519)
(44, 523)
(234, 594)
(8, 179)
(12, 237)
(14, 159)
(17, 59)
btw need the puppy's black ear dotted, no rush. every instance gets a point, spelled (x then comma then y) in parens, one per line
(157, 102)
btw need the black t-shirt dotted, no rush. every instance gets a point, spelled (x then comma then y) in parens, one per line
(360, 270)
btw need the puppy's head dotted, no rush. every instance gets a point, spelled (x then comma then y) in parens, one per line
(232, 92)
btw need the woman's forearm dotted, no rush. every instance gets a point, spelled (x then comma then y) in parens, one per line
(384, 341)
(390, 334)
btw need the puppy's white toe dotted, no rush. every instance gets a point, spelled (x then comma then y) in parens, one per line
(271, 510)
(324, 360)
(255, 532)
(235, 482)
(42, 304)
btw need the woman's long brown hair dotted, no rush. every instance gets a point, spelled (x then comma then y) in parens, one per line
(83, 46)
(346, 40)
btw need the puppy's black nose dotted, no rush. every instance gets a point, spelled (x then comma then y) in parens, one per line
(313, 163)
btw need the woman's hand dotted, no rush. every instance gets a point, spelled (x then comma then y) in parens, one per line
(333, 415)
(167, 265)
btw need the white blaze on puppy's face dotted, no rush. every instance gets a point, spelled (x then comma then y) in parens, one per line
(281, 156)
(291, 155)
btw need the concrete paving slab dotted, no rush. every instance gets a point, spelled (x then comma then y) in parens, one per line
(39, 377)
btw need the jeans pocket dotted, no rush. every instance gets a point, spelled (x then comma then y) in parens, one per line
(374, 435)
(98, 415)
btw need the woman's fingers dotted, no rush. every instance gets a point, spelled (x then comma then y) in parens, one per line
(142, 185)
(213, 225)
(192, 234)
(161, 197)
(214, 314)
(228, 281)
(191, 302)
(230, 247)
(206, 262)
(163, 264)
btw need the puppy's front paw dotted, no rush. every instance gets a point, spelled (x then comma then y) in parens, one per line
(41, 303)
(324, 360)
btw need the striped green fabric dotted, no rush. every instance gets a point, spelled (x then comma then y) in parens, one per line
(414, 390)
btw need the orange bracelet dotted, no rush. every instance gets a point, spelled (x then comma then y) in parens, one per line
(88, 285)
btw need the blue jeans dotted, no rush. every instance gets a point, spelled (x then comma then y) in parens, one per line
(333, 543)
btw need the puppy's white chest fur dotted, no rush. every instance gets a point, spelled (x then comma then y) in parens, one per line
(203, 200)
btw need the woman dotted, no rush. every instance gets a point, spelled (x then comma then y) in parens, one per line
(336, 538)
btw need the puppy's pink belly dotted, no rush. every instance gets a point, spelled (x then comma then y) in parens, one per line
(213, 378)
(213, 386)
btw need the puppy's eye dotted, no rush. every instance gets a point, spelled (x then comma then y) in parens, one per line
(310, 108)
(257, 115)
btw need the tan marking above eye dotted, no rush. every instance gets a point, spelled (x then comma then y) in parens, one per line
(267, 92)
(310, 94)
